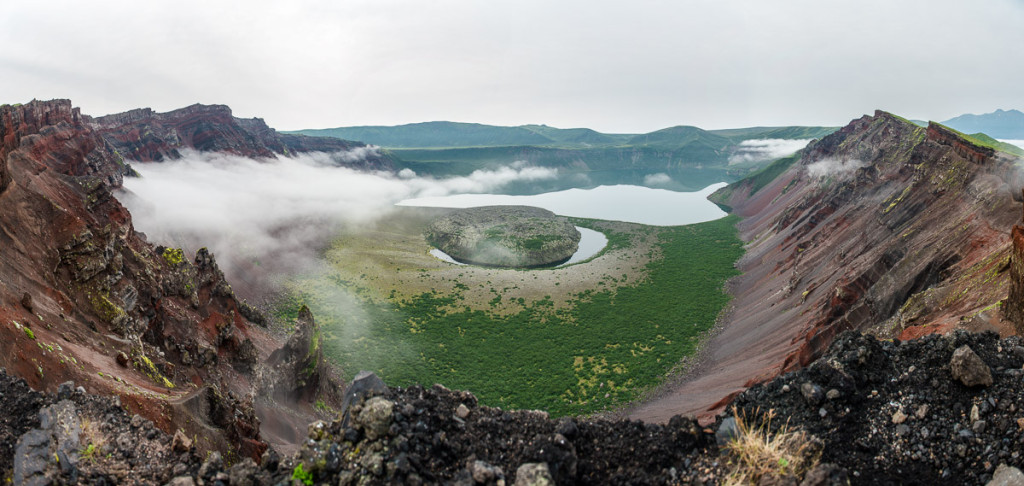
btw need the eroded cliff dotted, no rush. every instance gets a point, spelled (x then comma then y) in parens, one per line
(145, 135)
(84, 297)
(882, 226)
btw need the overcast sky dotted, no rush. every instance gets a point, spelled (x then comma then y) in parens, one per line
(623, 66)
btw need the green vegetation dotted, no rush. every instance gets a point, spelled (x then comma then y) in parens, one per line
(693, 157)
(740, 134)
(763, 177)
(105, 308)
(173, 256)
(757, 180)
(601, 347)
(89, 453)
(434, 134)
(29, 333)
(982, 140)
(701, 142)
(146, 365)
(987, 141)
(299, 473)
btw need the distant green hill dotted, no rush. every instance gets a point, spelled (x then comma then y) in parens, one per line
(680, 137)
(690, 156)
(435, 134)
(790, 133)
(987, 141)
(1005, 124)
(577, 136)
(444, 134)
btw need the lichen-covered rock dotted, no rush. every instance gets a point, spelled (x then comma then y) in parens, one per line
(533, 474)
(505, 236)
(375, 417)
(968, 368)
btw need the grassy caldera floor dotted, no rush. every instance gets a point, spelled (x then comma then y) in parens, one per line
(570, 340)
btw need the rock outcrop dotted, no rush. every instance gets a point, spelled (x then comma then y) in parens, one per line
(1014, 304)
(145, 135)
(84, 297)
(505, 236)
(882, 226)
(298, 371)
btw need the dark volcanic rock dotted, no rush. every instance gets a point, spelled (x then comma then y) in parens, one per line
(505, 236)
(413, 436)
(946, 432)
(104, 307)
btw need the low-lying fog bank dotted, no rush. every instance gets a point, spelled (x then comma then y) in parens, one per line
(263, 217)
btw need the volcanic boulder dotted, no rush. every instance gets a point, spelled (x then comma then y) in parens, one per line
(505, 236)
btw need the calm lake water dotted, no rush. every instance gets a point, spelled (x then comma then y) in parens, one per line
(634, 204)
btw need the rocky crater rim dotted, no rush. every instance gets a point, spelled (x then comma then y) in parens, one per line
(505, 236)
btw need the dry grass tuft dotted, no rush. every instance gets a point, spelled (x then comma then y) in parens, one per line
(92, 439)
(758, 452)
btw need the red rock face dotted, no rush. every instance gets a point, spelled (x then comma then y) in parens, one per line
(80, 290)
(910, 239)
(1014, 304)
(143, 135)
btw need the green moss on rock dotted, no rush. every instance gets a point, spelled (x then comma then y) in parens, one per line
(505, 236)
(173, 256)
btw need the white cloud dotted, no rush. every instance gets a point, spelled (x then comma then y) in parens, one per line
(833, 168)
(763, 150)
(1018, 143)
(658, 179)
(280, 208)
(609, 65)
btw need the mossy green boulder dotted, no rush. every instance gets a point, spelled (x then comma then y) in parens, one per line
(505, 236)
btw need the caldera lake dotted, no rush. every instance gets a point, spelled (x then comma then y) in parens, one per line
(633, 204)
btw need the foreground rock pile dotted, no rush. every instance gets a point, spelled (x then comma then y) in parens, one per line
(879, 412)
(935, 410)
(72, 437)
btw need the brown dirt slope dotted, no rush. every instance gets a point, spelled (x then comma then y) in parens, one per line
(882, 226)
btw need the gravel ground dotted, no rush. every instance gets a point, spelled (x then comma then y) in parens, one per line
(880, 412)
(892, 412)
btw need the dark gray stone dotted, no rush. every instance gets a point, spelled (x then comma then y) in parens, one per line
(727, 431)
(812, 393)
(366, 384)
(968, 368)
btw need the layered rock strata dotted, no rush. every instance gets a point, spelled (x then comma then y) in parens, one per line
(882, 226)
(84, 297)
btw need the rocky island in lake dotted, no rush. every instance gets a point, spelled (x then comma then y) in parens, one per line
(505, 236)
